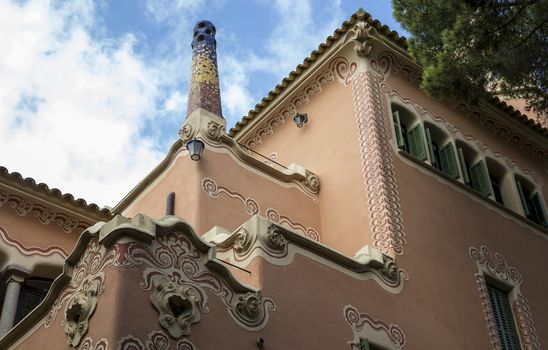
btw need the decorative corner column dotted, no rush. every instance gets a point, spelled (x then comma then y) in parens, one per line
(14, 279)
(373, 129)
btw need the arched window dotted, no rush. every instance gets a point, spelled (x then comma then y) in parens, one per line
(474, 170)
(409, 132)
(441, 150)
(531, 201)
(500, 180)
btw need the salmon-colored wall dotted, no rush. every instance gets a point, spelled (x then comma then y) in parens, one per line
(328, 145)
(204, 212)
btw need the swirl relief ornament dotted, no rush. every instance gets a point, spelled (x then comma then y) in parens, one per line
(174, 263)
(88, 276)
(496, 267)
(251, 206)
(155, 340)
(87, 344)
(177, 305)
(363, 325)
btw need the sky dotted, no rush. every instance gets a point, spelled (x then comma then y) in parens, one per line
(93, 93)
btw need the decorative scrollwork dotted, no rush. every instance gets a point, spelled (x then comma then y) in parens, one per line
(495, 266)
(186, 133)
(244, 241)
(181, 268)
(359, 321)
(312, 182)
(156, 340)
(252, 309)
(274, 240)
(377, 167)
(215, 130)
(45, 215)
(79, 310)
(177, 305)
(87, 274)
(102, 344)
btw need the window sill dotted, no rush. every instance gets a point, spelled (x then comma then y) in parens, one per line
(472, 191)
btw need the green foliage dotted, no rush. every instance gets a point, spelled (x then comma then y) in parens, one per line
(467, 47)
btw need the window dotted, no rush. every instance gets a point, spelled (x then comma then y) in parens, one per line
(366, 345)
(409, 134)
(33, 291)
(504, 320)
(441, 150)
(531, 202)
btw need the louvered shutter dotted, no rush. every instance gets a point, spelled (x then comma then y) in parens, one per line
(463, 167)
(397, 128)
(539, 209)
(416, 142)
(504, 319)
(523, 199)
(430, 147)
(448, 162)
(479, 178)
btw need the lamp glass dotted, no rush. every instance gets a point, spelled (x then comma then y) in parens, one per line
(195, 149)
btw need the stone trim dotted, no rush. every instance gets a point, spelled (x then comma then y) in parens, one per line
(260, 237)
(44, 215)
(252, 207)
(388, 335)
(496, 267)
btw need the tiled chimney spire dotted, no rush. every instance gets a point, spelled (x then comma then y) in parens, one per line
(204, 81)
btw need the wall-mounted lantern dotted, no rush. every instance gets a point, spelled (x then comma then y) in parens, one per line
(195, 149)
(300, 119)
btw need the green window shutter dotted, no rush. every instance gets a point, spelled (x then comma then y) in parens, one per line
(539, 209)
(364, 344)
(523, 199)
(463, 167)
(416, 143)
(479, 178)
(397, 129)
(448, 162)
(504, 320)
(430, 146)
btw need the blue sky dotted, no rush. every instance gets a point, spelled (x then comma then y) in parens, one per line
(94, 92)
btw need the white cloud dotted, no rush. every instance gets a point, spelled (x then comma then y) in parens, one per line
(71, 106)
(74, 108)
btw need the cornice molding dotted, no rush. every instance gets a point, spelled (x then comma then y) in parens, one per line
(278, 244)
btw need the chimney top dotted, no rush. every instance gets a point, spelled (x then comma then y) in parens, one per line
(204, 80)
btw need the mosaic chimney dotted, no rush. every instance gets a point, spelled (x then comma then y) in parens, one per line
(204, 81)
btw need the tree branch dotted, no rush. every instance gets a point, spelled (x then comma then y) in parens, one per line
(531, 34)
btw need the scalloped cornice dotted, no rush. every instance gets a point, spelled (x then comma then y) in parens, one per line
(19, 190)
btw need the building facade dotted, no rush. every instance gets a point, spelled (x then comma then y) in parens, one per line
(348, 210)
